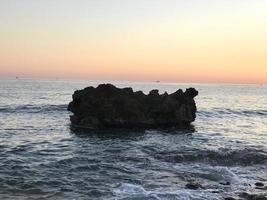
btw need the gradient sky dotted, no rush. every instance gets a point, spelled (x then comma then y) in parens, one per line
(167, 40)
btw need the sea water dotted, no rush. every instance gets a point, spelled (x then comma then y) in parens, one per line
(43, 157)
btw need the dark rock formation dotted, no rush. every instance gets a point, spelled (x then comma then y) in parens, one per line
(107, 106)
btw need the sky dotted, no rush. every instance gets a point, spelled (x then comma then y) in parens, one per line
(209, 41)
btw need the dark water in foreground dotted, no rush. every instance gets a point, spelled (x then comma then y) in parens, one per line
(41, 157)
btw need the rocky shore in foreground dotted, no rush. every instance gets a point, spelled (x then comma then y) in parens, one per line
(107, 106)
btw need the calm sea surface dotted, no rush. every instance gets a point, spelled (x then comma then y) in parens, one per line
(42, 157)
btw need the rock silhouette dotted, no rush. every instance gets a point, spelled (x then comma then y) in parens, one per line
(107, 106)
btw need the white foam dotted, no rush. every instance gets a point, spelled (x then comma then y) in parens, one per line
(126, 190)
(223, 174)
(130, 189)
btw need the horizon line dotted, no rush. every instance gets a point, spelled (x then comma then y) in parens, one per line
(123, 80)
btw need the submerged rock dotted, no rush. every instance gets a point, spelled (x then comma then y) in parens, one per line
(257, 197)
(193, 185)
(253, 196)
(107, 106)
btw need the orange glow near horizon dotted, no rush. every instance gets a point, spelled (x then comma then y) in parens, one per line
(215, 42)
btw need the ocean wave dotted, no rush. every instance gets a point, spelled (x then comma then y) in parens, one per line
(133, 191)
(29, 108)
(222, 157)
(228, 112)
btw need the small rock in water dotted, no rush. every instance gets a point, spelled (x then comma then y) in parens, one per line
(259, 184)
(193, 186)
(225, 183)
(230, 198)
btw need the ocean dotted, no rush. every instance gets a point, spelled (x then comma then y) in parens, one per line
(43, 157)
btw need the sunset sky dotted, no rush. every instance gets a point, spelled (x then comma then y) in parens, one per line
(146, 40)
